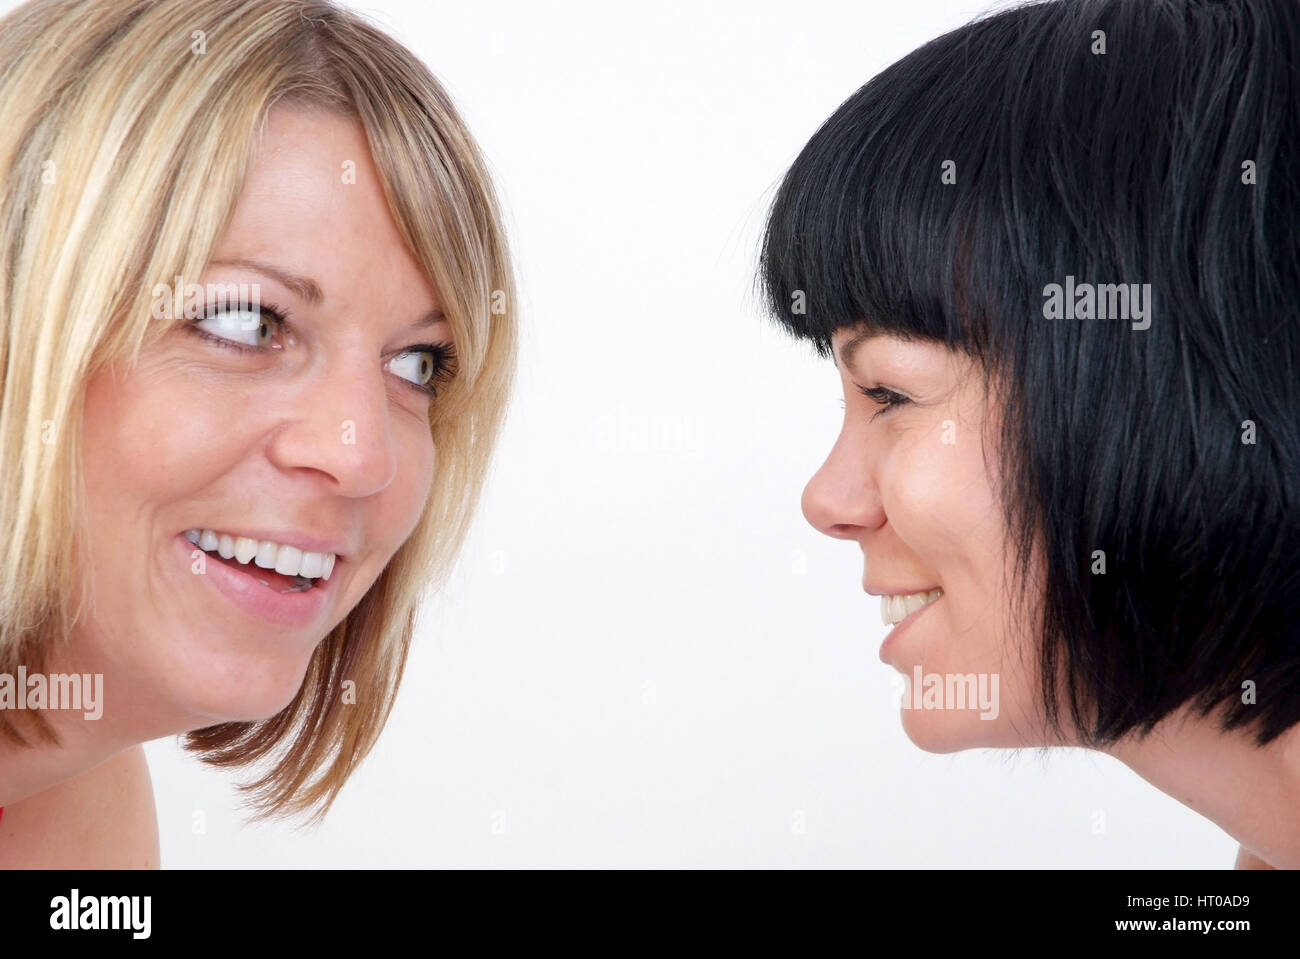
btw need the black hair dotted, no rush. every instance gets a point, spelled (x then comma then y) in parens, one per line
(1111, 142)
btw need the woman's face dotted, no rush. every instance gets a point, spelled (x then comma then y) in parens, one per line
(910, 484)
(318, 436)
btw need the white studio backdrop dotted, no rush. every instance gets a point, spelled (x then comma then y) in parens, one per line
(647, 657)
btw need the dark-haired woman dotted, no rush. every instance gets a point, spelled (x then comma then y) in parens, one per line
(1053, 257)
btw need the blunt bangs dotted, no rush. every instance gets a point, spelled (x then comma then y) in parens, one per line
(863, 233)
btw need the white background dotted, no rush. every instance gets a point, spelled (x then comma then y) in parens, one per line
(648, 658)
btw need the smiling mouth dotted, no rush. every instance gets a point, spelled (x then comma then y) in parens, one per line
(267, 576)
(282, 583)
(895, 609)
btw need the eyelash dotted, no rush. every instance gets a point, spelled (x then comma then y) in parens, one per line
(889, 399)
(444, 353)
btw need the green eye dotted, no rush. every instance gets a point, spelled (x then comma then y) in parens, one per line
(426, 365)
(242, 325)
(418, 367)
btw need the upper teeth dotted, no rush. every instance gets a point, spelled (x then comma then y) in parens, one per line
(287, 560)
(895, 609)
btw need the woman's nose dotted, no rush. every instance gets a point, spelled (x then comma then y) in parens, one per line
(842, 499)
(343, 431)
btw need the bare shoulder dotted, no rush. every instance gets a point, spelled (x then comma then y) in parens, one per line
(103, 819)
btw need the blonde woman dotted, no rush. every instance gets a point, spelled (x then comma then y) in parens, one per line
(257, 338)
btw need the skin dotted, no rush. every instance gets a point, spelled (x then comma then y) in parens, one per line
(179, 442)
(926, 514)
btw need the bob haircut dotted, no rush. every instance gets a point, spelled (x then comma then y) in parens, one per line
(1108, 142)
(100, 204)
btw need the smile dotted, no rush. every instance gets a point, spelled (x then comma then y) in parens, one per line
(302, 568)
(895, 609)
(293, 601)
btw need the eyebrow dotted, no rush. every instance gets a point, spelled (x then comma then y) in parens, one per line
(851, 347)
(305, 287)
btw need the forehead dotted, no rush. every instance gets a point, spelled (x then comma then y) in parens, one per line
(298, 180)
(313, 203)
(857, 349)
(849, 345)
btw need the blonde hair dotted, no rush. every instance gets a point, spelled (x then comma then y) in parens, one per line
(128, 129)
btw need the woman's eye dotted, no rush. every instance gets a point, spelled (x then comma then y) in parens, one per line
(240, 325)
(887, 398)
(416, 366)
(426, 366)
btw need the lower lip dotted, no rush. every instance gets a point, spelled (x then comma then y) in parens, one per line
(297, 609)
(892, 639)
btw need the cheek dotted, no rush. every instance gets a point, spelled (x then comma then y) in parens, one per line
(149, 438)
(417, 464)
(937, 494)
(941, 505)
(941, 502)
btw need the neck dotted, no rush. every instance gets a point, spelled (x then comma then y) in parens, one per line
(1251, 792)
(83, 742)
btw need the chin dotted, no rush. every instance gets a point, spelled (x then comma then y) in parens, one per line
(950, 731)
(242, 689)
(214, 706)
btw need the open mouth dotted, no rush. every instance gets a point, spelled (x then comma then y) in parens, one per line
(279, 568)
(269, 577)
(896, 608)
(265, 581)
